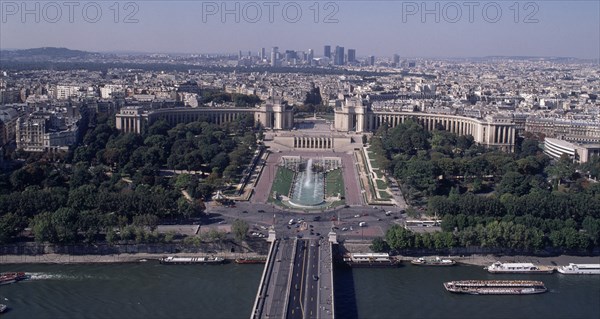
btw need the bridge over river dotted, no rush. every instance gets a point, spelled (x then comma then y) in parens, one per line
(297, 281)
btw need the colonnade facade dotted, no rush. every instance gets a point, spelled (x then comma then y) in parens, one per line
(129, 120)
(313, 142)
(487, 131)
(497, 131)
(133, 119)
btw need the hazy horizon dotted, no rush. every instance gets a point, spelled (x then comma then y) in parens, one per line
(448, 29)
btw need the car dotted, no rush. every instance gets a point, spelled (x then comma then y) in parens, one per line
(311, 226)
(315, 277)
(356, 216)
(362, 224)
(345, 229)
(318, 234)
(292, 222)
(245, 212)
(317, 218)
(388, 213)
(378, 219)
(261, 210)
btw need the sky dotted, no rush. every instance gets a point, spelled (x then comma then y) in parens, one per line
(381, 28)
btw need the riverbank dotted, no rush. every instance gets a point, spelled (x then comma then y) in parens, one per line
(115, 258)
(476, 260)
(486, 260)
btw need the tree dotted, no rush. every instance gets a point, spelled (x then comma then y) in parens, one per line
(65, 224)
(529, 147)
(10, 225)
(379, 245)
(514, 183)
(239, 228)
(399, 238)
(43, 229)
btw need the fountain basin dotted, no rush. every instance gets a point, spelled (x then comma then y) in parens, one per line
(308, 187)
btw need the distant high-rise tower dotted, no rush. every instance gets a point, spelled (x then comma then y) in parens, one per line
(327, 51)
(339, 56)
(351, 55)
(240, 55)
(263, 54)
(396, 60)
(310, 56)
(371, 60)
(274, 56)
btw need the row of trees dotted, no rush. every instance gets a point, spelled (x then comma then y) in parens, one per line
(495, 234)
(489, 198)
(113, 183)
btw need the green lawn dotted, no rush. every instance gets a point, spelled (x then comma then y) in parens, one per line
(384, 195)
(381, 185)
(335, 183)
(282, 182)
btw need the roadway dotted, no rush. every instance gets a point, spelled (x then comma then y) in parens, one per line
(306, 281)
(298, 282)
(278, 286)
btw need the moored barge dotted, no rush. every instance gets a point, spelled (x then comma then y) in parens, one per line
(496, 287)
(191, 260)
(579, 269)
(435, 261)
(518, 268)
(251, 260)
(370, 260)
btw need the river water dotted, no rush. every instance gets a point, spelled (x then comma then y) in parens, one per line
(151, 290)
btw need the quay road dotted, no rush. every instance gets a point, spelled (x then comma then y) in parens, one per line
(298, 281)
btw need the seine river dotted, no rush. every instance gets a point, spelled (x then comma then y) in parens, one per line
(151, 290)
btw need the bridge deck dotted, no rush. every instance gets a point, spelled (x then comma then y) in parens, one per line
(297, 281)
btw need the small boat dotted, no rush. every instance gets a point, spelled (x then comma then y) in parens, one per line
(251, 260)
(436, 261)
(192, 260)
(2, 308)
(518, 268)
(496, 287)
(11, 277)
(580, 269)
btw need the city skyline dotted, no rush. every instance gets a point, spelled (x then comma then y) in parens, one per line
(411, 29)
